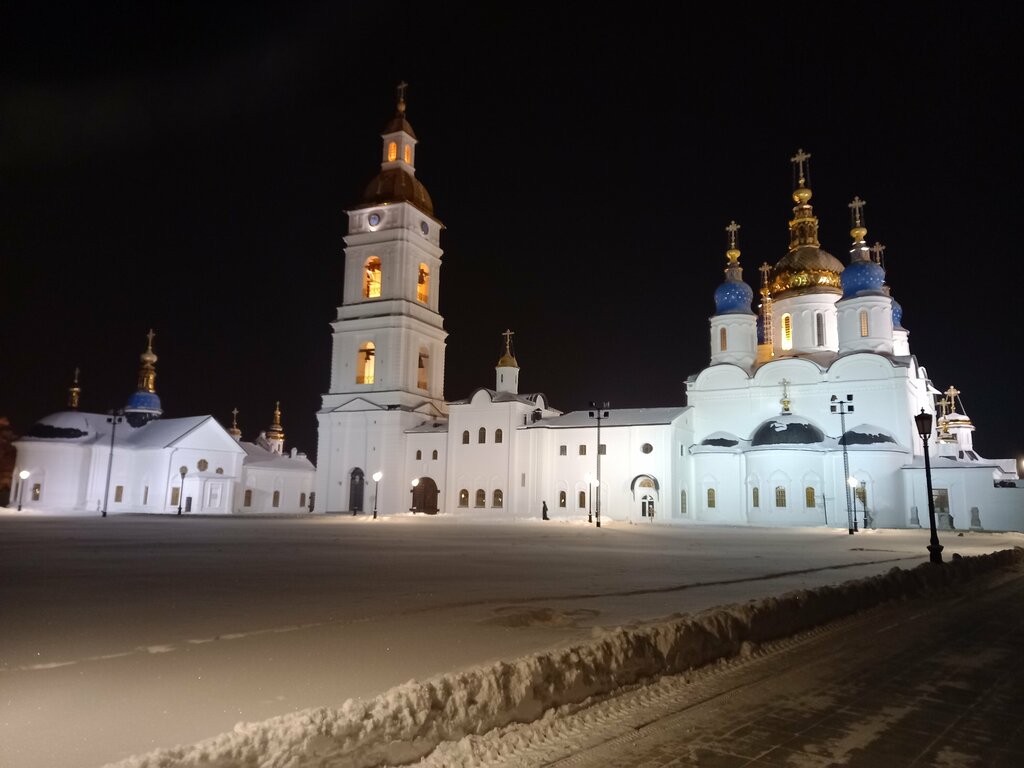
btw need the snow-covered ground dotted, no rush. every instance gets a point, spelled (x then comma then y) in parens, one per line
(137, 633)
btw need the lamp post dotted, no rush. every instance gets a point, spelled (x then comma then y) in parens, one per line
(182, 470)
(24, 475)
(924, 429)
(113, 419)
(376, 486)
(599, 412)
(843, 407)
(415, 483)
(590, 496)
(852, 482)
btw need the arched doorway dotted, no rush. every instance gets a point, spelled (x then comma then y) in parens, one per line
(424, 496)
(646, 491)
(647, 506)
(355, 490)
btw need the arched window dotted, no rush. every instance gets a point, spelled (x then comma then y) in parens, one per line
(864, 322)
(365, 363)
(723, 339)
(392, 152)
(463, 498)
(277, 499)
(407, 153)
(787, 331)
(421, 368)
(302, 500)
(498, 435)
(434, 455)
(481, 435)
(583, 499)
(498, 497)
(561, 499)
(465, 437)
(682, 502)
(780, 496)
(819, 329)
(423, 284)
(809, 497)
(481, 497)
(419, 455)
(248, 498)
(755, 497)
(371, 278)
(711, 498)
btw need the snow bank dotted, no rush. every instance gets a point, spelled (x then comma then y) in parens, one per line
(408, 721)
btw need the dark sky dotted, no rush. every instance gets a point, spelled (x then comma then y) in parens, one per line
(187, 167)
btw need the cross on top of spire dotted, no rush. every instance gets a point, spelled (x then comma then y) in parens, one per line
(732, 229)
(857, 208)
(877, 251)
(150, 336)
(401, 95)
(508, 334)
(799, 160)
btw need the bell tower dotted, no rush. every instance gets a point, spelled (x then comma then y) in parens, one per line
(388, 338)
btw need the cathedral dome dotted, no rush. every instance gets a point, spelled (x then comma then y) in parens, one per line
(733, 297)
(787, 429)
(396, 185)
(143, 401)
(897, 314)
(862, 277)
(807, 269)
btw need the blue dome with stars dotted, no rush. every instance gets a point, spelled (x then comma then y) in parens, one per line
(733, 297)
(862, 277)
(143, 401)
(897, 314)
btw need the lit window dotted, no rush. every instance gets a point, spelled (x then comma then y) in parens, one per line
(583, 499)
(392, 152)
(498, 497)
(407, 153)
(498, 436)
(175, 495)
(423, 284)
(365, 363)
(419, 455)
(583, 450)
(863, 322)
(809, 497)
(755, 499)
(711, 498)
(723, 339)
(819, 327)
(421, 369)
(561, 499)
(463, 498)
(780, 496)
(787, 331)
(481, 497)
(371, 278)
(563, 450)
(118, 494)
(37, 491)
(246, 503)
(465, 437)
(481, 435)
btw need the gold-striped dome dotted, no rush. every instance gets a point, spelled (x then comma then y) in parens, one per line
(396, 185)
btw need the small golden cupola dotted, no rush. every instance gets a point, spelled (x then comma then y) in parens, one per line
(275, 432)
(74, 393)
(507, 369)
(807, 267)
(397, 182)
(144, 404)
(235, 432)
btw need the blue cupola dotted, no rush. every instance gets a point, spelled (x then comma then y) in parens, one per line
(144, 404)
(863, 275)
(733, 296)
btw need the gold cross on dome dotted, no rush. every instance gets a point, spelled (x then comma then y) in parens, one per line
(951, 394)
(150, 336)
(785, 395)
(401, 91)
(732, 229)
(800, 158)
(857, 206)
(876, 251)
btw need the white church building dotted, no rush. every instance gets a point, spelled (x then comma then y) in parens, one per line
(803, 416)
(80, 463)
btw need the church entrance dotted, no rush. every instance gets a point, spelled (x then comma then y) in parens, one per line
(647, 507)
(424, 496)
(355, 491)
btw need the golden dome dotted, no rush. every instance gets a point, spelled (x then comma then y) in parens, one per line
(396, 185)
(807, 269)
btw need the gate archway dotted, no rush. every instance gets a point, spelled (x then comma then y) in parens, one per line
(357, 483)
(424, 496)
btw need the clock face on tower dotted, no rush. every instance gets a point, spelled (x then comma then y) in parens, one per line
(424, 228)
(374, 219)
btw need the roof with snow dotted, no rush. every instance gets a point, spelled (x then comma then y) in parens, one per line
(503, 397)
(258, 456)
(617, 417)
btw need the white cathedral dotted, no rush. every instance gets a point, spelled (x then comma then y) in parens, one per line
(805, 415)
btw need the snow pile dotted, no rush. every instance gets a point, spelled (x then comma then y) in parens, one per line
(410, 720)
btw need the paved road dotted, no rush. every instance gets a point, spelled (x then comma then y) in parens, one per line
(929, 682)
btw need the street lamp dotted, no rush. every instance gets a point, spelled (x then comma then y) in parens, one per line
(924, 429)
(182, 470)
(852, 482)
(843, 407)
(113, 419)
(24, 475)
(590, 496)
(415, 483)
(599, 412)
(376, 486)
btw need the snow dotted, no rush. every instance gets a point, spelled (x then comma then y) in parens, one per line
(299, 638)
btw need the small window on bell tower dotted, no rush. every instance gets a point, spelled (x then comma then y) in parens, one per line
(423, 284)
(372, 278)
(864, 323)
(392, 152)
(723, 339)
(407, 154)
(787, 331)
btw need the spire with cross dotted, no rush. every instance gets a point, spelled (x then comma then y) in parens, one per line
(401, 96)
(786, 402)
(802, 167)
(74, 392)
(733, 253)
(878, 254)
(235, 432)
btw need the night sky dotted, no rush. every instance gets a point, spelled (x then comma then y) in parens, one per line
(188, 167)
